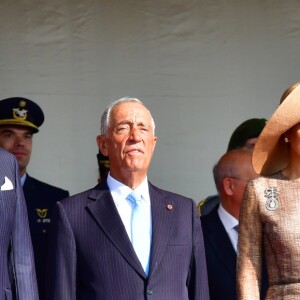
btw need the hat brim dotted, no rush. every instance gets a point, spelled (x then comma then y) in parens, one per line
(13, 122)
(271, 154)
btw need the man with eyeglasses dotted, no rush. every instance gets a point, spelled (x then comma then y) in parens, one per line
(220, 227)
(243, 137)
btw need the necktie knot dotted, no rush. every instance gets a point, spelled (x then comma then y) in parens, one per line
(134, 198)
(236, 228)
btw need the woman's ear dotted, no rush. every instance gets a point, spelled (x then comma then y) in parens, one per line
(286, 135)
(101, 142)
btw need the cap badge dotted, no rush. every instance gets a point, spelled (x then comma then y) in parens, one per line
(271, 193)
(20, 113)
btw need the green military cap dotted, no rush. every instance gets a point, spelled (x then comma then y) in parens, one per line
(249, 129)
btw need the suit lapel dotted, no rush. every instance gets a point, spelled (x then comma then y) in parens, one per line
(27, 184)
(29, 188)
(221, 244)
(105, 213)
(162, 218)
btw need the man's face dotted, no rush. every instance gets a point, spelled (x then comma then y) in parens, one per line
(130, 140)
(246, 173)
(18, 141)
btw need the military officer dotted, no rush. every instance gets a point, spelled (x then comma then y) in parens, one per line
(20, 119)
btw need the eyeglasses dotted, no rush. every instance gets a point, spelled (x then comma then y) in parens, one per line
(239, 178)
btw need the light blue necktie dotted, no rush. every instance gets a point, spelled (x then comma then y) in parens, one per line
(140, 230)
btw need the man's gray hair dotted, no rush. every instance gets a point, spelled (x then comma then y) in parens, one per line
(105, 118)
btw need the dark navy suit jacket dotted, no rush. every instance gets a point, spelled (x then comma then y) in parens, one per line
(16, 258)
(220, 258)
(93, 258)
(40, 200)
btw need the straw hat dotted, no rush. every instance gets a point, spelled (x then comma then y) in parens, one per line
(271, 153)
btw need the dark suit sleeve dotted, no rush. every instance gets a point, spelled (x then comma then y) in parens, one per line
(197, 281)
(22, 254)
(61, 277)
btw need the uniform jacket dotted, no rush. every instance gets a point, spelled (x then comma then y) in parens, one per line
(17, 272)
(40, 200)
(206, 205)
(220, 258)
(93, 257)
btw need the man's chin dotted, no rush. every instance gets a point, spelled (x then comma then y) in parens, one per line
(134, 164)
(135, 168)
(21, 164)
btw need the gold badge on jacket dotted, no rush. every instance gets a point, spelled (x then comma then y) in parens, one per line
(42, 214)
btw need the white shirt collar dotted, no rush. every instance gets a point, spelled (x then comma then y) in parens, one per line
(227, 219)
(120, 191)
(229, 222)
(23, 178)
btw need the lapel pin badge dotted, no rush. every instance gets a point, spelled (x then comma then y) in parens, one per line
(272, 202)
(169, 207)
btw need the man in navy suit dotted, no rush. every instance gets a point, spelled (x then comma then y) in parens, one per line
(93, 238)
(20, 118)
(17, 273)
(243, 137)
(231, 175)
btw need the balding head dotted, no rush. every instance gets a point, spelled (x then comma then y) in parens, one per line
(231, 175)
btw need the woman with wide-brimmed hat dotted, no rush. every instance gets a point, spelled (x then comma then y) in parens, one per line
(269, 229)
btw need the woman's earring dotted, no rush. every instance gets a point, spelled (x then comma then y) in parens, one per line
(286, 139)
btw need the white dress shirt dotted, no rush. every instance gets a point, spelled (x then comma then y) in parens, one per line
(119, 192)
(229, 222)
